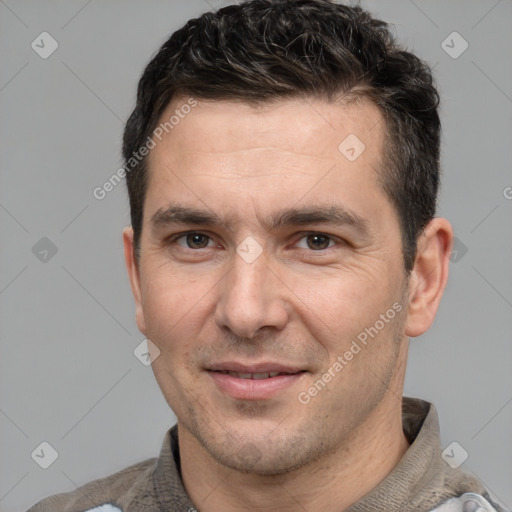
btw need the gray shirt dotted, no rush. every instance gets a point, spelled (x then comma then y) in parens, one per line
(422, 480)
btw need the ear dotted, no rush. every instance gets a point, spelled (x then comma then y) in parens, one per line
(132, 267)
(429, 275)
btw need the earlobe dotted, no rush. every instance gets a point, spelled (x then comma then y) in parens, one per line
(133, 270)
(429, 275)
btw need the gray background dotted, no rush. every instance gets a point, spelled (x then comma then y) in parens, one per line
(68, 374)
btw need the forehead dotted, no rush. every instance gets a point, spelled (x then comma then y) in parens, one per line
(284, 124)
(218, 151)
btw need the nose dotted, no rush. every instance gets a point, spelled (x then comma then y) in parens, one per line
(251, 297)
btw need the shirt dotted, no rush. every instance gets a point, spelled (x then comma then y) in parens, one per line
(422, 480)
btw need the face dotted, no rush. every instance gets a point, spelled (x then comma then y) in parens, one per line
(271, 278)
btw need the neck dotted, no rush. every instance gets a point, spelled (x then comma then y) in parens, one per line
(337, 480)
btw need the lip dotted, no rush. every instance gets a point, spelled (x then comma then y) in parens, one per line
(253, 389)
(263, 367)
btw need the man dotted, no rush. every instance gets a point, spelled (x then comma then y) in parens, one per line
(283, 165)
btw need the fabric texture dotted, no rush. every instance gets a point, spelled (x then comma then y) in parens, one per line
(105, 508)
(468, 502)
(422, 480)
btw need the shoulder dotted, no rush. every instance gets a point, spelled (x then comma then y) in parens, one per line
(107, 494)
(469, 502)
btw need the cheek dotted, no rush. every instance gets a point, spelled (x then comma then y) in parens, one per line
(173, 304)
(336, 308)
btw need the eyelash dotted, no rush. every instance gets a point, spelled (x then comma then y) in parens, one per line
(176, 237)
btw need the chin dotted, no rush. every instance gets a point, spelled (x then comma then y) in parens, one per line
(265, 455)
(250, 460)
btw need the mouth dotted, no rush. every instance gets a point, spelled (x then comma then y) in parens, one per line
(254, 376)
(253, 382)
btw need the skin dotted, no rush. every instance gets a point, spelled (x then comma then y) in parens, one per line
(301, 302)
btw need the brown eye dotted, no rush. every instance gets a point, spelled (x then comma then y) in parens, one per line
(197, 240)
(193, 240)
(318, 241)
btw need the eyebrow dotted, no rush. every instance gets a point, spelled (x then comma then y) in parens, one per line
(332, 215)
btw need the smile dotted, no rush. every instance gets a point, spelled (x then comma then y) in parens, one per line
(253, 376)
(257, 384)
